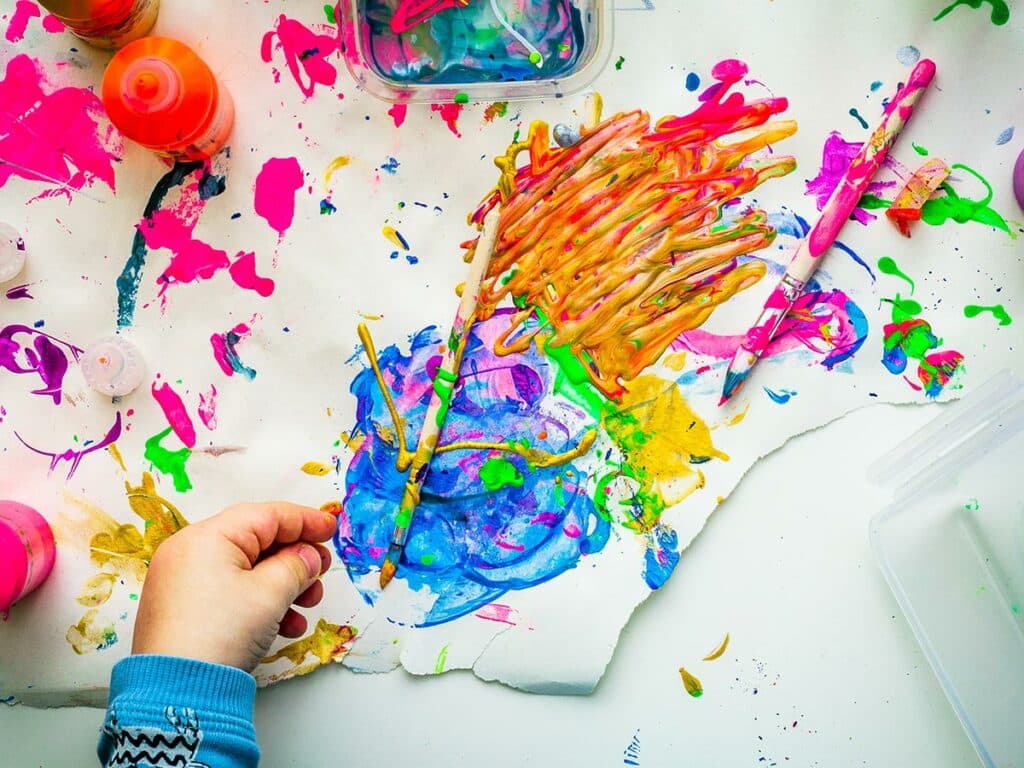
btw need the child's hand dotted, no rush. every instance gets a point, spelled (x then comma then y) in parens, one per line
(221, 590)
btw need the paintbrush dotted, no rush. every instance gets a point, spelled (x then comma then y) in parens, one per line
(441, 393)
(837, 210)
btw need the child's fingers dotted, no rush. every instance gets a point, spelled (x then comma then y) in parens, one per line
(253, 528)
(292, 625)
(313, 595)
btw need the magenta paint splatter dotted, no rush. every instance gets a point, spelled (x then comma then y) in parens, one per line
(450, 114)
(276, 185)
(305, 53)
(60, 137)
(225, 354)
(243, 272)
(208, 408)
(398, 113)
(24, 12)
(74, 456)
(175, 412)
(836, 156)
(18, 292)
(24, 350)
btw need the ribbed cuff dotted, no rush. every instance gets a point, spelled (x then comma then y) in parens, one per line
(145, 683)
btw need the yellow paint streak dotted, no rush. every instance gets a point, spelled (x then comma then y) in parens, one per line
(717, 653)
(315, 468)
(405, 456)
(738, 417)
(327, 642)
(674, 361)
(112, 449)
(353, 442)
(534, 456)
(691, 683)
(332, 507)
(97, 590)
(392, 234)
(336, 164)
(368, 316)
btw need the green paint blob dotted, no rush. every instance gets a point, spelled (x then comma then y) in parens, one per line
(938, 210)
(536, 58)
(1000, 10)
(903, 309)
(427, 560)
(920, 150)
(872, 203)
(133, 596)
(998, 312)
(887, 266)
(404, 518)
(461, 98)
(496, 474)
(619, 62)
(169, 462)
(329, 13)
(442, 658)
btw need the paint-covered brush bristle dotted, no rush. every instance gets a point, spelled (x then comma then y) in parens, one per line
(733, 382)
(389, 566)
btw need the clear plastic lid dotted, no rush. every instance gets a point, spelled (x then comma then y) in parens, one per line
(951, 546)
(461, 50)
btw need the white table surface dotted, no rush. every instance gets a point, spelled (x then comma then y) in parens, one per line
(786, 569)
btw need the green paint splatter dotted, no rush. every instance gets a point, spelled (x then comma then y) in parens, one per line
(872, 203)
(536, 58)
(427, 560)
(920, 150)
(461, 98)
(887, 266)
(619, 62)
(962, 209)
(442, 658)
(998, 312)
(972, 505)
(133, 595)
(1000, 10)
(496, 474)
(169, 462)
(329, 13)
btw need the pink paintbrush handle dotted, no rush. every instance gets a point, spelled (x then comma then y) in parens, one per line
(848, 193)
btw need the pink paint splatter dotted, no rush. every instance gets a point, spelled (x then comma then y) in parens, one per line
(243, 272)
(503, 614)
(572, 531)
(450, 114)
(52, 24)
(61, 137)
(175, 412)
(208, 408)
(276, 185)
(398, 113)
(74, 456)
(305, 53)
(24, 11)
(225, 354)
(836, 156)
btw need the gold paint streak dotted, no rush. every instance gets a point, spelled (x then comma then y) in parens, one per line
(353, 443)
(674, 361)
(315, 468)
(327, 642)
(534, 456)
(112, 449)
(392, 234)
(405, 456)
(593, 105)
(368, 316)
(89, 633)
(337, 163)
(97, 590)
(737, 418)
(332, 507)
(691, 683)
(717, 653)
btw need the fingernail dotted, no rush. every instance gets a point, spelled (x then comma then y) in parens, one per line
(311, 557)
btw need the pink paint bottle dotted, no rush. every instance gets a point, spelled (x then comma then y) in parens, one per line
(27, 551)
(160, 94)
(105, 23)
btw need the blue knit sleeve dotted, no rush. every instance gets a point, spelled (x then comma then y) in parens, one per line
(167, 712)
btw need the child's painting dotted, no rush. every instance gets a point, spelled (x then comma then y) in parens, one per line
(293, 301)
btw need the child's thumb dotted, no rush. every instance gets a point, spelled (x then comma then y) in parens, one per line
(289, 572)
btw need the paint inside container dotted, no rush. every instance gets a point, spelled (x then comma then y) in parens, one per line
(27, 551)
(951, 546)
(445, 50)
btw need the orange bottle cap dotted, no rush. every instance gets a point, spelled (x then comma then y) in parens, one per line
(159, 93)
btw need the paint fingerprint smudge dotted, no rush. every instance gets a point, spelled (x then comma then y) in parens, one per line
(60, 136)
(276, 184)
(208, 408)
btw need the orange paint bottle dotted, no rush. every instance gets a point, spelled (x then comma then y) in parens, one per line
(105, 23)
(159, 93)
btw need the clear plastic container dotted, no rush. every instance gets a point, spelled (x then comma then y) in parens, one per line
(951, 546)
(479, 50)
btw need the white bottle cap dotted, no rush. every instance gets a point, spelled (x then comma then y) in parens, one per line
(113, 366)
(12, 253)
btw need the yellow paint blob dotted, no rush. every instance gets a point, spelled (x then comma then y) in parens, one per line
(691, 683)
(717, 653)
(97, 590)
(315, 468)
(337, 163)
(326, 643)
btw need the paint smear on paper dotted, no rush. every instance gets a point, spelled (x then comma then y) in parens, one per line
(1000, 10)
(909, 337)
(887, 266)
(315, 468)
(29, 351)
(998, 311)
(225, 352)
(398, 113)
(719, 650)
(97, 590)
(169, 462)
(326, 643)
(691, 683)
(836, 156)
(780, 397)
(450, 114)
(24, 12)
(171, 404)
(60, 137)
(74, 456)
(276, 184)
(494, 110)
(243, 272)
(93, 632)
(306, 53)
(208, 408)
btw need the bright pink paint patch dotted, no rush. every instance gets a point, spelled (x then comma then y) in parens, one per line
(208, 408)
(276, 185)
(398, 113)
(503, 614)
(225, 354)
(52, 24)
(24, 11)
(305, 53)
(174, 410)
(243, 272)
(62, 138)
(450, 114)
(572, 531)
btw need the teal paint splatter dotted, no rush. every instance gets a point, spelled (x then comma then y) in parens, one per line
(856, 115)
(781, 397)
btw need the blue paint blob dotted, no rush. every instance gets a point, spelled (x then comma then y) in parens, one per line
(466, 544)
(391, 166)
(876, 85)
(692, 81)
(1005, 136)
(662, 556)
(781, 397)
(327, 208)
(412, 259)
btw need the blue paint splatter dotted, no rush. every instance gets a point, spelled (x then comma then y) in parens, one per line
(631, 754)
(662, 556)
(412, 259)
(908, 55)
(327, 207)
(856, 115)
(876, 85)
(231, 340)
(391, 166)
(692, 81)
(1005, 136)
(466, 544)
(781, 397)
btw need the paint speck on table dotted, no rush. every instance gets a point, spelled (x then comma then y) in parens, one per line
(908, 55)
